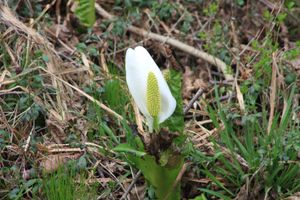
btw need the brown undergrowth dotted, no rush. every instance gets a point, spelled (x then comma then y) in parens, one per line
(54, 76)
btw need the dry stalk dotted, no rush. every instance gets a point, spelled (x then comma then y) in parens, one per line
(272, 92)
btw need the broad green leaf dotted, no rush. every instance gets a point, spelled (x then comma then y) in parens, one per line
(162, 178)
(86, 12)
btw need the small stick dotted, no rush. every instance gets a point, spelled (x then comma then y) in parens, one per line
(124, 196)
(227, 83)
(28, 139)
(197, 95)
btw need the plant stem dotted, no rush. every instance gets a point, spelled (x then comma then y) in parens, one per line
(156, 124)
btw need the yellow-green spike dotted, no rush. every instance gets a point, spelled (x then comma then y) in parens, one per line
(153, 96)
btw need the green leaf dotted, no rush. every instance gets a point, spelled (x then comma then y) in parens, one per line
(13, 194)
(176, 121)
(164, 157)
(132, 139)
(115, 102)
(126, 148)
(45, 58)
(216, 181)
(110, 133)
(202, 197)
(161, 178)
(30, 183)
(82, 163)
(217, 194)
(86, 12)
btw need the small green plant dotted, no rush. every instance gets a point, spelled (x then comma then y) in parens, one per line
(60, 185)
(265, 161)
(116, 102)
(211, 9)
(86, 12)
(216, 41)
(187, 22)
(68, 182)
(25, 188)
(164, 10)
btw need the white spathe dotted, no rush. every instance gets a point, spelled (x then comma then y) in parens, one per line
(138, 64)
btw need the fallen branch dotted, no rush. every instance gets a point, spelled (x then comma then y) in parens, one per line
(173, 42)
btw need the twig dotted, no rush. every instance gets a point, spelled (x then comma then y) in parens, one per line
(171, 41)
(65, 150)
(29, 138)
(225, 97)
(124, 196)
(197, 95)
(225, 83)
(239, 94)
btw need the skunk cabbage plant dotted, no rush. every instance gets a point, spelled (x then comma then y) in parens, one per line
(148, 87)
(160, 164)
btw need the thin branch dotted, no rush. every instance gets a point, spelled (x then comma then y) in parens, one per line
(197, 95)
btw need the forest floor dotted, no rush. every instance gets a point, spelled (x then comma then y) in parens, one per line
(65, 105)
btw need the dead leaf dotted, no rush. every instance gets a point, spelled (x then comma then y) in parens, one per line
(193, 81)
(243, 193)
(187, 82)
(57, 130)
(240, 97)
(53, 162)
(64, 34)
(296, 63)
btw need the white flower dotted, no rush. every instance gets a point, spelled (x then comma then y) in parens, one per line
(148, 87)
